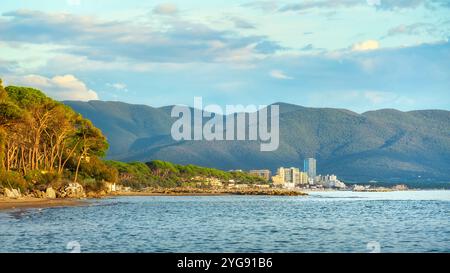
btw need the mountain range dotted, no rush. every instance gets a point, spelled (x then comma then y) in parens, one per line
(383, 145)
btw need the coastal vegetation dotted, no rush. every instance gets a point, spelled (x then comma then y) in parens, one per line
(168, 175)
(47, 146)
(43, 141)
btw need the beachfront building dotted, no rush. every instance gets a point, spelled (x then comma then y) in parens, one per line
(309, 166)
(278, 180)
(291, 175)
(287, 177)
(331, 181)
(303, 178)
(266, 174)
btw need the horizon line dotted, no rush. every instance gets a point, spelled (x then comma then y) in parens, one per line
(275, 103)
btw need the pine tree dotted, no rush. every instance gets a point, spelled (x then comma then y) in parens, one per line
(3, 93)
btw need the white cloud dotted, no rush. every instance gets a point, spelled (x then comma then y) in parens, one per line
(66, 87)
(366, 45)
(118, 86)
(278, 74)
(175, 41)
(166, 9)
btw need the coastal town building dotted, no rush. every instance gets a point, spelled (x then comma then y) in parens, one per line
(212, 181)
(266, 174)
(291, 175)
(289, 186)
(331, 181)
(303, 178)
(278, 180)
(287, 177)
(309, 166)
(290, 178)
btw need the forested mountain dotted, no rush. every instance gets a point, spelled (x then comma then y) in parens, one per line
(384, 145)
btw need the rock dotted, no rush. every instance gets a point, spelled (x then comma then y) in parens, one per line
(50, 193)
(92, 194)
(61, 194)
(400, 188)
(12, 193)
(39, 194)
(359, 188)
(110, 187)
(74, 190)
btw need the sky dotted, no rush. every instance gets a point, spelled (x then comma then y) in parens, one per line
(355, 54)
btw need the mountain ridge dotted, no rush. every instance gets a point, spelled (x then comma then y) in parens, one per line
(384, 144)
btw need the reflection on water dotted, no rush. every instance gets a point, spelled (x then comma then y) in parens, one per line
(413, 221)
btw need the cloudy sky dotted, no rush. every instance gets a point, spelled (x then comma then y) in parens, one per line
(355, 54)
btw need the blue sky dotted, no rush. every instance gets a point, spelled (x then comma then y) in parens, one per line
(355, 54)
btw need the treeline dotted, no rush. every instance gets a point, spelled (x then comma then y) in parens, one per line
(42, 140)
(166, 174)
(45, 143)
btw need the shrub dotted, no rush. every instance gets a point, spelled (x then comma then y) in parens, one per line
(98, 170)
(41, 178)
(13, 180)
(93, 185)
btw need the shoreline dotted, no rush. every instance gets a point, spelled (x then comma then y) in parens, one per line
(31, 202)
(137, 194)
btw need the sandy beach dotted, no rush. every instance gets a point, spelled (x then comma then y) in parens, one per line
(28, 202)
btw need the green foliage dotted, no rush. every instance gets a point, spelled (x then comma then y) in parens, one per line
(13, 180)
(26, 97)
(41, 178)
(3, 93)
(48, 141)
(172, 175)
(98, 170)
(9, 112)
(93, 185)
(92, 139)
(135, 175)
(138, 169)
(162, 168)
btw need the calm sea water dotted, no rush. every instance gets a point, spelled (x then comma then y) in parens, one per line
(413, 221)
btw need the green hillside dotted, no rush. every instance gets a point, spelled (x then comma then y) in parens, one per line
(383, 145)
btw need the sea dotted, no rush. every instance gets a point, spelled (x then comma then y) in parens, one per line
(323, 222)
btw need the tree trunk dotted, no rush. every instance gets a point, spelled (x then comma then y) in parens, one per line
(78, 167)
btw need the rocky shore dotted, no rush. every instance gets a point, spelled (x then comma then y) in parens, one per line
(368, 188)
(70, 194)
(186, 191)
(73, 194)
